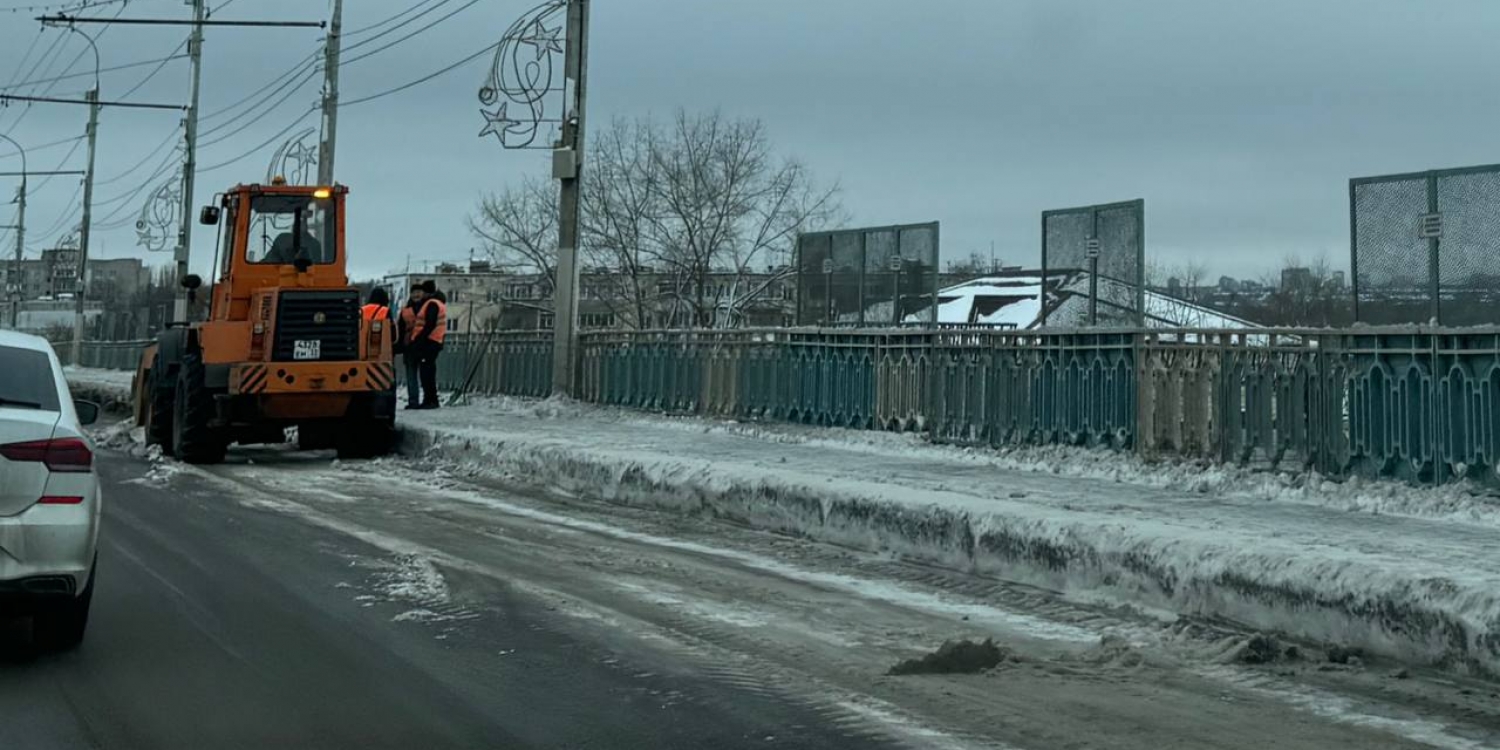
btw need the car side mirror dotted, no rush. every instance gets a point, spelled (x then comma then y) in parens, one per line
(88, 411)
(209, 216)
(192, 281)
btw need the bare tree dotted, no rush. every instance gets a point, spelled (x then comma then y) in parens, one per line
(1304, 294)
(518, 228)
(727, 205)
(619, 199)
(679, 217)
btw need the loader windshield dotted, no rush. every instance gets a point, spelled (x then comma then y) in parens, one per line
(288, 228)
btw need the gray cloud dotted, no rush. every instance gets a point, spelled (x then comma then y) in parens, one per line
(1239, 123)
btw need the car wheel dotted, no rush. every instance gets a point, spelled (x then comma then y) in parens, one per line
(60, 626)
(193, 438)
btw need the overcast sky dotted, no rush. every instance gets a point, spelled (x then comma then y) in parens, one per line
(1239, 123)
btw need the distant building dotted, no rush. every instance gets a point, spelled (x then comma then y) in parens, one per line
(56, 274)
(1297, 278)
(480, 299)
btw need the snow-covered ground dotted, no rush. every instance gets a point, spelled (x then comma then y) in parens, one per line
(1398, 571)
(1404, 572)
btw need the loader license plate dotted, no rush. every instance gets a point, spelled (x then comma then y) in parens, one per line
(302, 349)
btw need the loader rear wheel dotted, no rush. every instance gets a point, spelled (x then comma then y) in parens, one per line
(193, 438)
(159, 409)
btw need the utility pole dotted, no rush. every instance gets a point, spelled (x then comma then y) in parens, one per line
(330, 94)
(567, 166)
(14, 290)
(189, 164)
(15, 269)
(83, 233)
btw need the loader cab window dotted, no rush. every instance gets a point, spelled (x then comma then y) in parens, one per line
(285, 228)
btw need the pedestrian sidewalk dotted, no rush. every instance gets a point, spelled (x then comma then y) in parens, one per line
(1310, 559)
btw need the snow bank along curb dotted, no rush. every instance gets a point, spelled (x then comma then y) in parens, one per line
(1412, 612)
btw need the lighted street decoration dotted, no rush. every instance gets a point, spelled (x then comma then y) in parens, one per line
(522, 75)
(156, 228)
(297, 162)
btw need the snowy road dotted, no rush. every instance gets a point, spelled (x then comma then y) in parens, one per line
(285, 600)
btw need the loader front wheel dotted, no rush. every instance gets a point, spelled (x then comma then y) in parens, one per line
(194, 439)
(158, 409)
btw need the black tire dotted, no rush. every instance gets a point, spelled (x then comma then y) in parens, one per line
(366, 440)
(316, 436)
(194, 440)
(159, 419)
(60, 625)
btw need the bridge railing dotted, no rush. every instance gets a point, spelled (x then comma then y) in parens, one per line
(1416, 403)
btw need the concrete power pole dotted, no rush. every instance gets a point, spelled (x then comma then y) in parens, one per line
(189, 162)
(330, 94)
(15, 275)
(83, 232)
(567, 166)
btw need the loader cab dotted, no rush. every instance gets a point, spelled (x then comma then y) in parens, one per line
(276, 237)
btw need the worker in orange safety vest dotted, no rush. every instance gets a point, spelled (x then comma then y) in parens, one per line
(377, 307)
(428, 330)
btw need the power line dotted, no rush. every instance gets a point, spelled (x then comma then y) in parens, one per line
(263, 115)
(139, 64)
(72, 7)
(291, 72)
(389, 45)
(421, 80)
(157, 70)
(132, 170)
(263, 110)
(378, 24)
(267, 142)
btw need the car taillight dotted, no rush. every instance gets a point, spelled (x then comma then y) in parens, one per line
(60, 454)
(60, 500)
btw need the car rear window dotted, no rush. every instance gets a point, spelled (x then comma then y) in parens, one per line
(28, 380)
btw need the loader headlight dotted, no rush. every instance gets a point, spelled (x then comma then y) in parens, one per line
(376, 326)
(259, 327)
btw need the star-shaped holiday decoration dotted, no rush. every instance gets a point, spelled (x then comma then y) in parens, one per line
(302, 154)
(496, 122)
(543, 38)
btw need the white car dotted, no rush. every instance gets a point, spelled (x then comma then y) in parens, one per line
(49, 494)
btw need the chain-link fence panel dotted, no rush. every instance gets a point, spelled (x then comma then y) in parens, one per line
(1468, 262)
(1391, 262)
(1102, 249)
(1424, 247)
(879, 276)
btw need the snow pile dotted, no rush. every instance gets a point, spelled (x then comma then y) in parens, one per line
(1413, 589)
(108, 388)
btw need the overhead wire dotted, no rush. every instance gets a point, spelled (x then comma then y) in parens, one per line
(111, 69)
(419, 31)
(419, 81)
(292, 72)
(262, 109)
(294, 123)
(378, 24)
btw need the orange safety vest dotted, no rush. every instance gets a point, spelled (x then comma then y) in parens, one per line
(438, 331)
(373, 311)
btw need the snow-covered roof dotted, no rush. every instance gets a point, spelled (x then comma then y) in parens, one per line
(1016, 301)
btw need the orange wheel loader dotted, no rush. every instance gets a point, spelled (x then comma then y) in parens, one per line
(284, 344)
